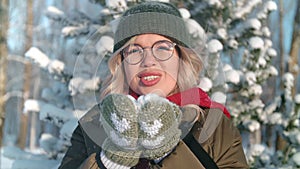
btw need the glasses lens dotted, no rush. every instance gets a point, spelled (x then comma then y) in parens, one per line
(163, 50)
(133, 54)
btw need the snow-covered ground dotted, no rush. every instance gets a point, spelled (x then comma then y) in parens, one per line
(15, 158)
(5, 163)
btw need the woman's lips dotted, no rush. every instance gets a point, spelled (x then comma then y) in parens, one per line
(149, 79)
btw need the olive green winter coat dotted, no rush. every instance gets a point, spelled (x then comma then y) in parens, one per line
(213, 130)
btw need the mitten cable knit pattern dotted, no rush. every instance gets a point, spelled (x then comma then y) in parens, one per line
(159, 121)
(119, 120)
(146, 127)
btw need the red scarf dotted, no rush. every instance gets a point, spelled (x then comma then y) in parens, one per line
(193, 96)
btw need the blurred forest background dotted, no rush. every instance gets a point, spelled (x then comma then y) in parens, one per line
(53, 57)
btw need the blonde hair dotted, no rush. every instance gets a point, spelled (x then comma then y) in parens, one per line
(190, 66)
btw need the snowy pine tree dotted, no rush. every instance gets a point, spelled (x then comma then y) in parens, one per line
(239, 37)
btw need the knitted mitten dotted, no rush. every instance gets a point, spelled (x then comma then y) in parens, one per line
(159, 121)
(119, 119)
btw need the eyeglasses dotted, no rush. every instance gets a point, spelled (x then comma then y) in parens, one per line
(161, 50)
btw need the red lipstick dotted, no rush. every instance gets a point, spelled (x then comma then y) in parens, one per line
(149, 78)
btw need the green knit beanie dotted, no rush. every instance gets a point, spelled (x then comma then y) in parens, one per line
(151, 17)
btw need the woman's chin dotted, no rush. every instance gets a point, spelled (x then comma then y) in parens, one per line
(158, 92)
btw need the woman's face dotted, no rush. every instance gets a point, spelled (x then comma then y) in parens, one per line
(151, 75)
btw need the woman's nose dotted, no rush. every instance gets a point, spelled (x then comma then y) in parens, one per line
(149, 59)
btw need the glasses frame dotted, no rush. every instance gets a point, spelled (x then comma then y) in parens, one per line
(150, 47)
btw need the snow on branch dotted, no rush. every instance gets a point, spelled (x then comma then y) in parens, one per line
(246, 9)
(251, 125)
(53, 66)
(56, 67)
(74, 18)
(38, 57)
(71, 31)
(219, 97)
(104, 45)
(216, 3)
(256, 43)
(32, 106)
(297, 99)
(54, 13)
(232, 76)
(266, 9)
(119, 5)
(81, 85)
(205, 84)
(253, 24)
(48, 112)
(214, 46)
(270, 6)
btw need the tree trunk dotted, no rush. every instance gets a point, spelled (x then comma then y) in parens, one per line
(294, 52)
(16, 47)
(22, 141)
(280, 142)
(281, 37)
(3, 62)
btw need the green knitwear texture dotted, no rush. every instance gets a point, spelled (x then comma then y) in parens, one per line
(119, 155)
(119, 120)
(146, 127)
(159, 120)
(152, 17)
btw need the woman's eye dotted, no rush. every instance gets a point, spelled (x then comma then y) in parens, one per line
(132, 51)
(163, 48)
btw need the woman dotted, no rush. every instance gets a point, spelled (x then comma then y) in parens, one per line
(152, 85)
